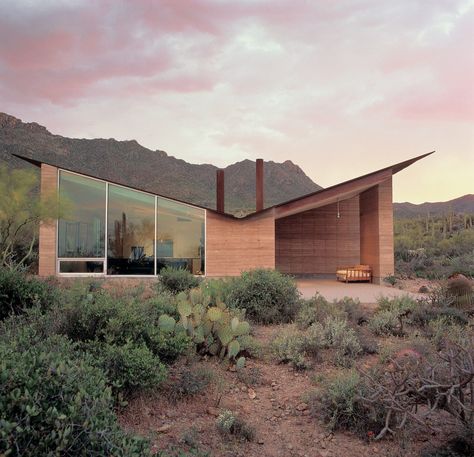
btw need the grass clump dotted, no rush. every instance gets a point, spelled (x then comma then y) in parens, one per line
(267, 296)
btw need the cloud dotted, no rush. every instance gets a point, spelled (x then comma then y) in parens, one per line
(227, 79)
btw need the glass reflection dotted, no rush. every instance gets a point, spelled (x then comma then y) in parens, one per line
(130, 232)
(180, 236)
(81, 231)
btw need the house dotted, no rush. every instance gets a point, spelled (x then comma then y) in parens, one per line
(114, 230)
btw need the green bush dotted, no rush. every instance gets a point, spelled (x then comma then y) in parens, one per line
(128, 367)
(290, 347)
(267, 296)
(101, 317)
(19, 292)
(55, 402)
(178, 279)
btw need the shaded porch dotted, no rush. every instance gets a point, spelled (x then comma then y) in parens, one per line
(335, 290)
(351, 226)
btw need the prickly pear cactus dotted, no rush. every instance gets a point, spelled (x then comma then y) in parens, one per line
(215, 330)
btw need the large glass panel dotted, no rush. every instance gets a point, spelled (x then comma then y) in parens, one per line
(180, 236)
(130, 232)
(81, 230)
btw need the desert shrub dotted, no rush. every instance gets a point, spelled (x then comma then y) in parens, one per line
(55, 402)
(128, 367)
(368, 344)
(399, 304)
(418, 346)
(392, 315)
(173, 451)
(444, 330)
(390, 279)
(229, 424)
(427, 313)
(443, 381)
(339, 404)
(103, 318)
(316, 309)
(250, 376)
(459, 285)
(384, 323)
(178, 279)
(334, 333)
(290, 347)
(353, 310)
(250, 346)
(19, 292)
(189, 382)
(267, 295)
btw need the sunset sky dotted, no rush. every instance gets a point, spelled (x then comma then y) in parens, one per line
(341, 88)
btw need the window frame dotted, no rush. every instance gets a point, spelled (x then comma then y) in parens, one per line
(104, 259)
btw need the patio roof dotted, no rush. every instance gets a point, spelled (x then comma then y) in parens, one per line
(341, 191)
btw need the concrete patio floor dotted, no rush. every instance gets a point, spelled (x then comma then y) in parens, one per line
(336, 290)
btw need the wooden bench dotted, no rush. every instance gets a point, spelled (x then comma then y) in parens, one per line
(355, 273)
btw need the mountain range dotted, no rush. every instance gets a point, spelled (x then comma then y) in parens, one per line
(464, 204)
(129, 163)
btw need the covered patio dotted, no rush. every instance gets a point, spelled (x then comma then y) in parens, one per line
(335, 290)
(341, 226)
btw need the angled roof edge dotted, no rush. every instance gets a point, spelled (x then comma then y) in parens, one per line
(38, 163)
(393, 169)
(397, 167)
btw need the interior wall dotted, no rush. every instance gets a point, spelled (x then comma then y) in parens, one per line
(234, 245)
(317, 241)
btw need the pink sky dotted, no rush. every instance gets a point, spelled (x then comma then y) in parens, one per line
(339, 87)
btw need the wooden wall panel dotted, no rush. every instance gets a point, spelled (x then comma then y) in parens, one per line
(316, 241)
(376, 230)
(234, 245)
(47, 230)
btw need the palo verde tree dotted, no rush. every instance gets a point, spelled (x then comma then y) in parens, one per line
(21, 210)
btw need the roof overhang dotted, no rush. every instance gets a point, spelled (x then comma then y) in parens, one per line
(343, 191)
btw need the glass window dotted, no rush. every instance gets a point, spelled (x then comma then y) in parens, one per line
(81, 231)
(180, 236)
(81, 266)
(130, 232)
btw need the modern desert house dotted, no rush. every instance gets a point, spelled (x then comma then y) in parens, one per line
(112, 230)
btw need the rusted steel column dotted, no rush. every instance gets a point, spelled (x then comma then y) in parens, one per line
(259, 185)
(220, 191)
